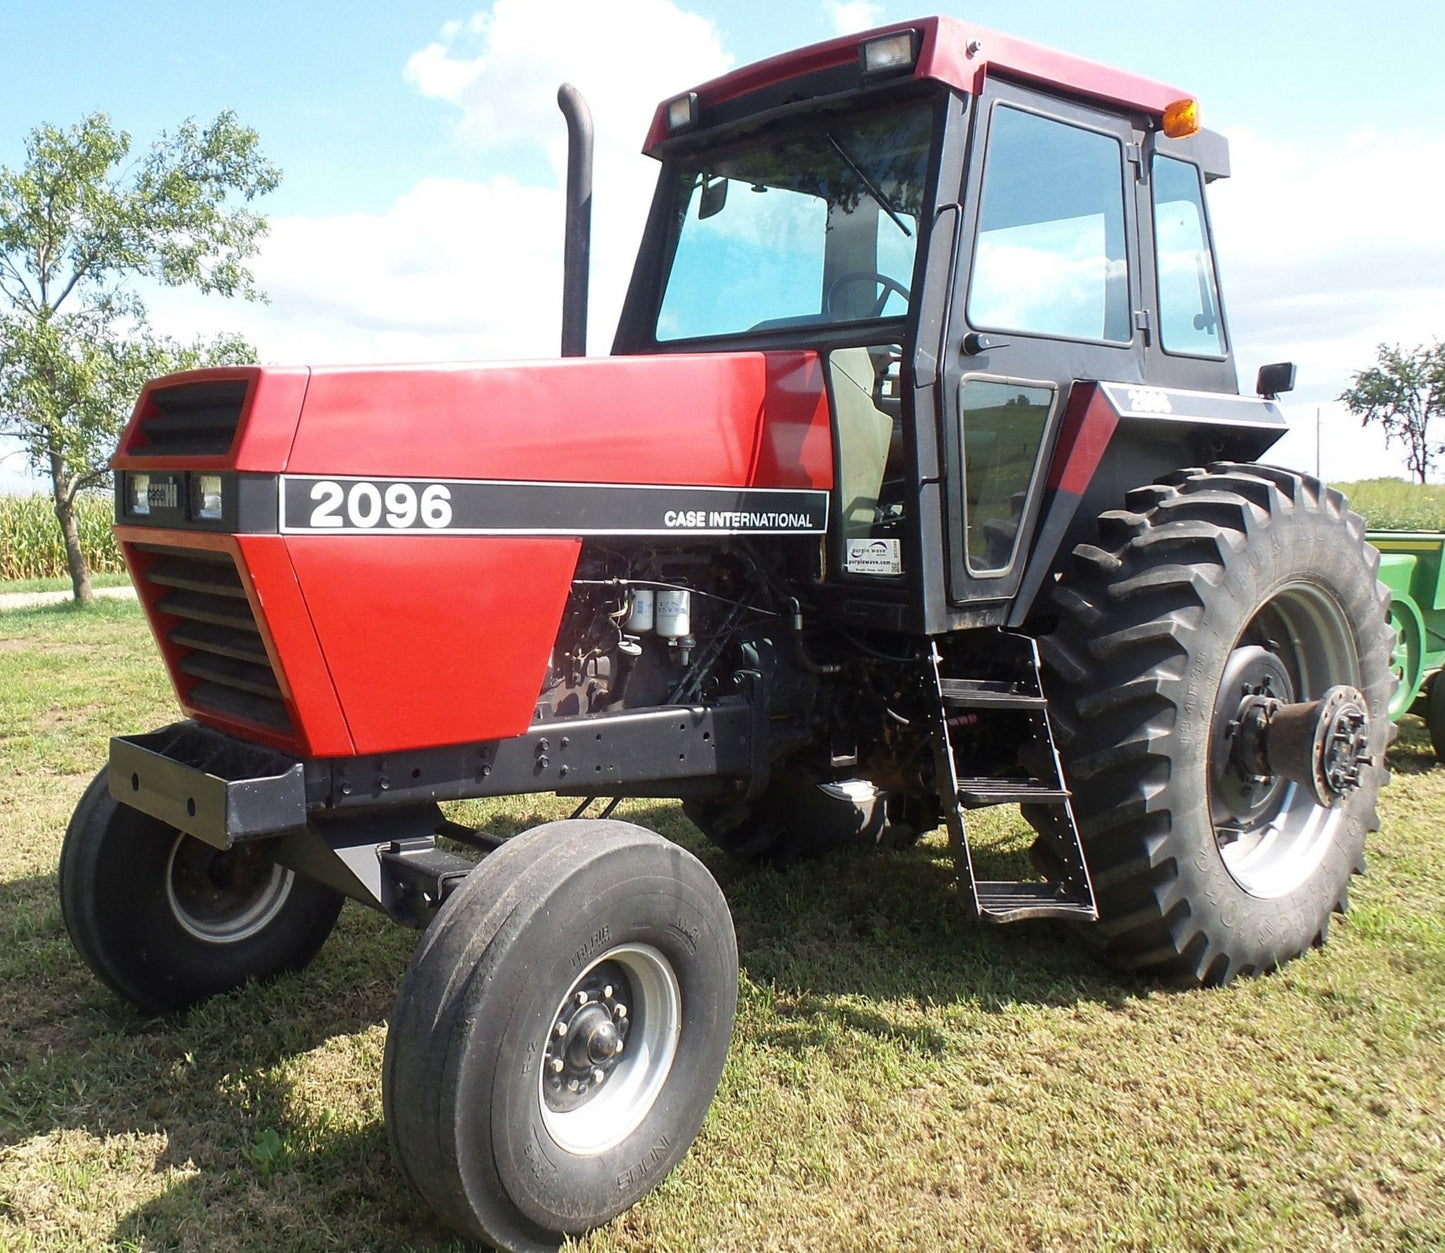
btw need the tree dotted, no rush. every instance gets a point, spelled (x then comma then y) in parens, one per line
(79, 227)
(1402, 392)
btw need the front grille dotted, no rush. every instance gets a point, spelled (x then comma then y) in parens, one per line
(217, 641)
(192, 420)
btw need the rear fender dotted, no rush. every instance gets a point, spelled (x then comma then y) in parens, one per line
(1118, 436)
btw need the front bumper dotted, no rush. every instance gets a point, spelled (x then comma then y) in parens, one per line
(217, 788)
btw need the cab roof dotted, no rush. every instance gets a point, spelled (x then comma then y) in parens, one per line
(948, 51)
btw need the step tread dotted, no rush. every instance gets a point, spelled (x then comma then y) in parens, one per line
(976, 793)
(1002, 901)
(988, 693)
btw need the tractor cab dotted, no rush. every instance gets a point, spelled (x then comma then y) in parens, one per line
(972, 233)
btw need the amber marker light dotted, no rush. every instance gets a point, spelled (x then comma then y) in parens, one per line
(1181, 119)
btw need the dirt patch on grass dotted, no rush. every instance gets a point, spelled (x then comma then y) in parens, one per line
(44, 648)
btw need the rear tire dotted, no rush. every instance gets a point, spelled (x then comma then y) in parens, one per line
(1207, 581)
(793, 820)
(166, 920)
(483, 1121)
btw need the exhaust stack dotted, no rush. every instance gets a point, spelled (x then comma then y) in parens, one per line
(577, 244)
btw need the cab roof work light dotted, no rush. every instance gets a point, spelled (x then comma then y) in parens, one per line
(681, 113)
(889, 54)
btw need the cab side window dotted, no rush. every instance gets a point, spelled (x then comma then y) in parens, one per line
(1050, 257)
(1189, 319)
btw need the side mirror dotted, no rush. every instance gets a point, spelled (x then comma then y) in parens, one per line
(1274, 379)
(714, 196)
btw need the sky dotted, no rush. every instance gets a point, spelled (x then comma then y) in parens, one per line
(420, 216)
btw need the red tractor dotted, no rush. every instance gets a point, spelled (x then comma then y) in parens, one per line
(918, 481)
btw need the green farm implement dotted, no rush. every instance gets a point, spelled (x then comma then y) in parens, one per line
(1411, 566)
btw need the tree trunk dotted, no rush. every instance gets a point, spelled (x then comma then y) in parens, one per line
(74, 558)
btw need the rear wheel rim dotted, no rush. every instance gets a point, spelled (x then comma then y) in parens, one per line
(1272, 838)
(224, 897)
(592, 1097)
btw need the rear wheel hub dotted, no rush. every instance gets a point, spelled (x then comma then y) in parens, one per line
(1320, 744)
(1280, 763)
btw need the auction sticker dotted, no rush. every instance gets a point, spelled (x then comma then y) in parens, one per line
(874, 556)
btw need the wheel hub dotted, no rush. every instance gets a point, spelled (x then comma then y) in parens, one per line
(609, 1049)
(224, 897)
(588, 1038)
(1245, 789)
(1319, 744)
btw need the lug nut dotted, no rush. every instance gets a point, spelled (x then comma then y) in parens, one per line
(607, 993)
(556, 1065)
(581, 999)
(597, 1075)
(561, 1028)
(622, 1011)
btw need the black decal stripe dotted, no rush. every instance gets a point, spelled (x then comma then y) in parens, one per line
(507, 507)
(1139, 401)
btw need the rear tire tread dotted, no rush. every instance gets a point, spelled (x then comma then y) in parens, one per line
(1129, 608)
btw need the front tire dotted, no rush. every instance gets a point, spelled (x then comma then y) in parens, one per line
(560, 1032)
(166, 920)
(1209, 583)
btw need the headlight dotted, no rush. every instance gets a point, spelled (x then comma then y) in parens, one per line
(139, 501)
(206, 497)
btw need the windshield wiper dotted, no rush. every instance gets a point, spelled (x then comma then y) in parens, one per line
(873, 189)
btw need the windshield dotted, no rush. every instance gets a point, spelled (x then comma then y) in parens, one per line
(814, 223)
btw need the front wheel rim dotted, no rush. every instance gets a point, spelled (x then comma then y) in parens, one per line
(610, 1047)
(224, 897)
(1273, 839)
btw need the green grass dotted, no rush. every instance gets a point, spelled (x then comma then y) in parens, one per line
(1395, 505)
(900, 1078)
(61, 584)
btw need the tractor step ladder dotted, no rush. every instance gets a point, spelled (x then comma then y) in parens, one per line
(1000, 901)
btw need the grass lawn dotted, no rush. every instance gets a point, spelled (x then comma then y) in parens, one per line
(900, 1077)
(61, 585)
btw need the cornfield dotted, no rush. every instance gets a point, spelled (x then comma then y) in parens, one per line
(30, 542)
(1395, 505)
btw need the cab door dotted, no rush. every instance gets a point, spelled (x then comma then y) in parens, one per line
(1049, 294)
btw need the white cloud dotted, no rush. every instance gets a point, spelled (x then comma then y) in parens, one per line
(472, 269)
(455, 270)
(1326, 252)
(851, 16)
(503, 66)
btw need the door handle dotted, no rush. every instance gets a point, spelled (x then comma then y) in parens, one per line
(976, 342)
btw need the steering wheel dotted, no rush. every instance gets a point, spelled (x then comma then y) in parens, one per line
(889, 285)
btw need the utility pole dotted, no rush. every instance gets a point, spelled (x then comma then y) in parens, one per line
(1318, 475)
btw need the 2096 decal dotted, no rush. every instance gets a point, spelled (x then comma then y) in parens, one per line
(341, 505)
(368, 505)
